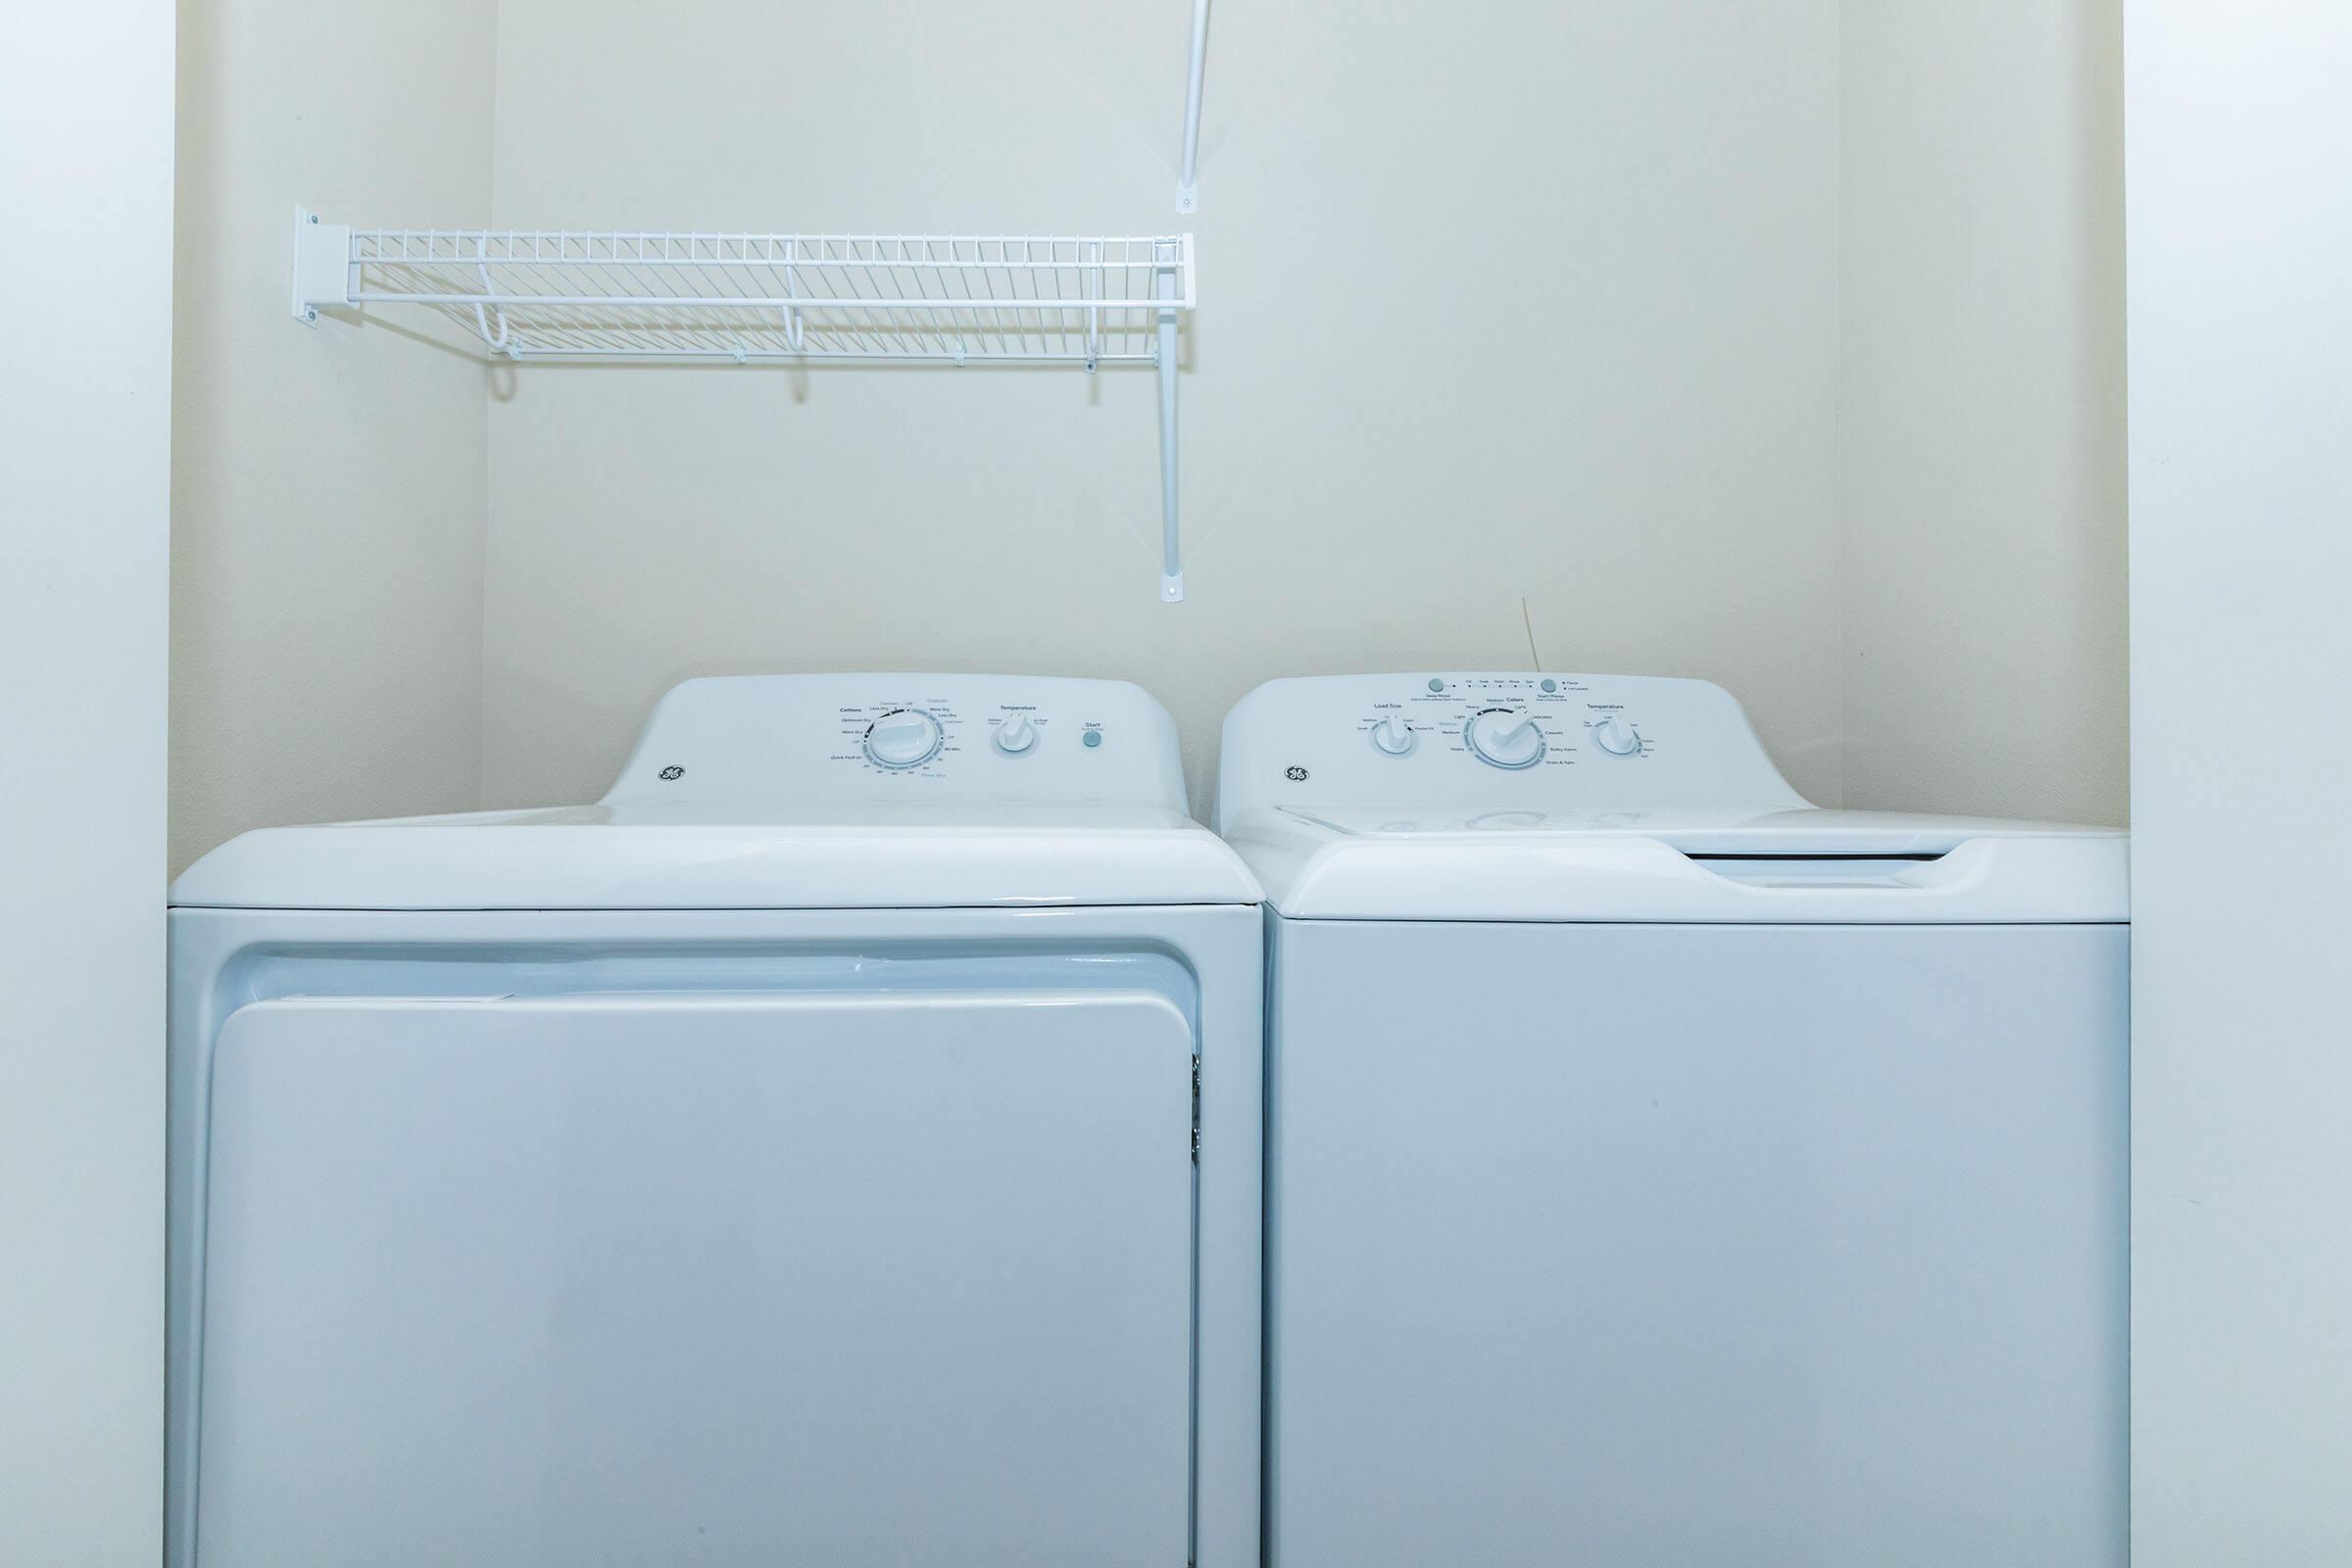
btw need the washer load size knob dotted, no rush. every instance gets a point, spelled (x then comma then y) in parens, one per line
(1391, 736)
(904, 737)
(1615, 735)
(1504, 737)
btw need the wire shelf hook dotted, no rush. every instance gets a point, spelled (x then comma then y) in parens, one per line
(482, 319)
(795, 331)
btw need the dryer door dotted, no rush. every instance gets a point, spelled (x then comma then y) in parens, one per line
(629, 1279)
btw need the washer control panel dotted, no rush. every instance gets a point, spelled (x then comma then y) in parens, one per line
(1509, 722)
(883, 738)
(1533, 740)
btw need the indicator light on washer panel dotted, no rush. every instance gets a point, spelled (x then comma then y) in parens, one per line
(1092, 737)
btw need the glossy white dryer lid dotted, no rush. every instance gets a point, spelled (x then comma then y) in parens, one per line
(765, 792)
(1365, 797)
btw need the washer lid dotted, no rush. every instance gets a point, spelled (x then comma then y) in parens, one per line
(800, 791)
(1764, 829)
(1525, 796)
(1703, 865)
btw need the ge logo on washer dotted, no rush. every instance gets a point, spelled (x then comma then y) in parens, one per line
(673, 770)
(1295, 773)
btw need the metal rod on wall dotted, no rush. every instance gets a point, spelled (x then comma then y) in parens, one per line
(1188, 182)
(1171, 566)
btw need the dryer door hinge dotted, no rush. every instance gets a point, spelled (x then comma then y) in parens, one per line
(1196, 1108)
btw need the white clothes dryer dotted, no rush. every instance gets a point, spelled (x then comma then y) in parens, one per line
(837, 1146)
(1664, 1171)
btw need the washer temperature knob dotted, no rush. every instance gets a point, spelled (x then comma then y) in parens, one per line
(904, 737)
(1016, 735)
(1615, 736)
(1503, 737)
(1391, 736)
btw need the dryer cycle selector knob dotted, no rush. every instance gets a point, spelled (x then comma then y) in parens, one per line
(1504, 737)
(904, 737)
(1016, 736)
(1615, 735)
(1391, 736)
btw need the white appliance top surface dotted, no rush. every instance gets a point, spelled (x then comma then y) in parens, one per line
(800, 792)
(1533, 797)
(1720, 830)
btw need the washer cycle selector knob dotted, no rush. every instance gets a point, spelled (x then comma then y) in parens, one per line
(904, 737)
(1391, 736)
(1016, 735)
(1504, 737)
(1613, 734)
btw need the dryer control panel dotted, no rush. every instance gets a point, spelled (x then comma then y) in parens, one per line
(1544, 742)
(937, 739)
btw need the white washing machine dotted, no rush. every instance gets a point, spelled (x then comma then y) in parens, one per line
(839, 1146)
(1662, 1171)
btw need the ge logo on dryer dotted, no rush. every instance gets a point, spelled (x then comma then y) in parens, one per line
(1295, 773)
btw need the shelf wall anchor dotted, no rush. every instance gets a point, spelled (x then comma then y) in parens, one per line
(322, 266)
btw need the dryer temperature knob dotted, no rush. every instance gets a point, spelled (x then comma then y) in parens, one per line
(1016, 735)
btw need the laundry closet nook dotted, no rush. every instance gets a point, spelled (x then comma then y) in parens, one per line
(1262, 786)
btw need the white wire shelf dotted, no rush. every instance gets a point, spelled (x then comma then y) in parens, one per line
(958, 300)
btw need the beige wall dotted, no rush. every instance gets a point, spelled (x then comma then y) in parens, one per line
(327, 486)
(1983, 407)
(1823, 401)
(1385, 447)
(85, 265)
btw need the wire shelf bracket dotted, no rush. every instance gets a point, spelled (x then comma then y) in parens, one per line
(954, 300)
